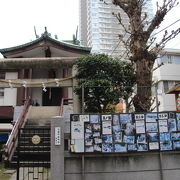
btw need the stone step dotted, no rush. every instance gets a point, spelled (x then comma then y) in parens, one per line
(43, 112)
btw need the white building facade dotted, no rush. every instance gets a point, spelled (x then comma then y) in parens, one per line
(165, 77)
(100, 29)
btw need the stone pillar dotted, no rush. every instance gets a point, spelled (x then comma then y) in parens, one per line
(57, 148)
(76, 101)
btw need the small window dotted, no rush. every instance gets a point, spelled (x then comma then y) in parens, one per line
(2, 75)
(166, 59)
(176, 60)
(1, 92)
(166, 88)
(168, 85)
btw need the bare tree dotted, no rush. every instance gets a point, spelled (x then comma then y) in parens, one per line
(142, 46)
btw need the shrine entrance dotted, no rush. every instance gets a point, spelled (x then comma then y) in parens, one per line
(52, 97)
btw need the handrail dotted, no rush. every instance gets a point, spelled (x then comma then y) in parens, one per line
(14, 133)
(64, 101)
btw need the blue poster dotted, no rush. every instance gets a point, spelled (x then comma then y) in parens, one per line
(120, 148)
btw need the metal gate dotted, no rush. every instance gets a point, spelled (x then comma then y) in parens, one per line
(33, 154)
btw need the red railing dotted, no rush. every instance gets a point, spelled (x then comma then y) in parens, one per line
(14, 133)
(64, 101)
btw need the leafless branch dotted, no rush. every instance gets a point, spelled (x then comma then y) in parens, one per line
(160, 14)
(166, 37)
(159, 65)
(118, 17)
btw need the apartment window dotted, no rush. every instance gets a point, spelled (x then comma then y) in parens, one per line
(170, 59)
(94, 14)
(2, 75)
(176, 59)
(165, 84)
(166, 59)
(1, 92)
(168, 85)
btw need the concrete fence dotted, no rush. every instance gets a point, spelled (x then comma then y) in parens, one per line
(117, 166)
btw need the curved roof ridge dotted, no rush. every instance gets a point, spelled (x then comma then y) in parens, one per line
(46, 35)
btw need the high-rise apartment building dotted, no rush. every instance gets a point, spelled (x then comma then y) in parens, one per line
(100, 29)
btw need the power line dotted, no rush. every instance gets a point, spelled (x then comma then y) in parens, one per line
(166, 27)
(152, 35)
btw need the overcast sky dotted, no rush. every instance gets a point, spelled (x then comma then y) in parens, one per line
(18, 18)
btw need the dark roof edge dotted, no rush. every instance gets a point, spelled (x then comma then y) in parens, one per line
(45, 36)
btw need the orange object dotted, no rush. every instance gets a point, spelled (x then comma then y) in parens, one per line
(119, 108)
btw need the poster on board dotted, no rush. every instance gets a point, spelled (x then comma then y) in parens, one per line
(140, 127)
(77, 130)
(163, 126)
(106, 127)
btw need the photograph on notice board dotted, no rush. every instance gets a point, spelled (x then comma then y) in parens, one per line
(97, 148)
(138, 117)
(164, 137)
(165, 145)
(96, 127)
(163, 125)
(88, 128)
(77, 130)
(120, 148)
(94, 118)
(129, 139)
(89, 149)
(107, 117)
(118, 138)
(142, 147)
(107, 139)
(178, 116)
(176, 145)
(172, 125)
(140, 127)
(172, 115)
(153, 137)
(151, 127)
(178, 125)
(125, 118)
(75, 117)
(175, 136)
(153, 145)
(88, 135)
(151, 117)
(96, 134)
(107, 148)
(130, 129)
(132, 147)
(88, 142)
(162, 115)
(115, 119)
(97, 140)
(106, 127)
(84, 118)
(116, 129)
(141, 138)
(79, 145)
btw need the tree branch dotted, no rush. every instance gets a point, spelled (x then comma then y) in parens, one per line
(160, 14)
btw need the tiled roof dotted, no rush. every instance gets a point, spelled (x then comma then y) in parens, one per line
(46, 36)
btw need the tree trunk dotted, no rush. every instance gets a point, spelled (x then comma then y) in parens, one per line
(142, 100)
